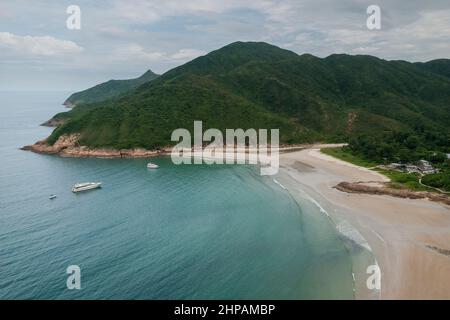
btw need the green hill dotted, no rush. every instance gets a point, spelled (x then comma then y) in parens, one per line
(109, 89)
(257, 85)
(439, 66)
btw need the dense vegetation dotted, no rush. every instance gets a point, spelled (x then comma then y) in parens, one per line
(413, 181)
(108, 90)
(405, 180)
(346, 155)
(438, 180)
(404, 147)
(369, 151)
(386, 109)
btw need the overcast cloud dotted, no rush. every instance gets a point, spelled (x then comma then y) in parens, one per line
(124, 38)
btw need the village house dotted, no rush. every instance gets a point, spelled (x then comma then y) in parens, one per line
(397, 167)
(423, 167)
(426, 168)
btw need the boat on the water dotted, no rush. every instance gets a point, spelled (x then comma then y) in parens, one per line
(53, 196)
(79, 187)
(152, 166)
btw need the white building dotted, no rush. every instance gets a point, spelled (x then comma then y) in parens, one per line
(426, 167)
(412, 169)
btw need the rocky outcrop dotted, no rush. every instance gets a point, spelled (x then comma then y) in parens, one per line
(86, 152)
(64, 142)
(383, 189)
(53, 122)
(68, 104)
(67, 146)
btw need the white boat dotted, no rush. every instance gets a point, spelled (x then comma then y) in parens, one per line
(152, 166)
(86, 186)
(53, 196)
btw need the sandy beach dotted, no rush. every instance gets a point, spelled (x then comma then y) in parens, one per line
(410, 239)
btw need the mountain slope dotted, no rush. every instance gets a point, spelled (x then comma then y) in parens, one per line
(439, 66)
(109, 89)
(257, 85)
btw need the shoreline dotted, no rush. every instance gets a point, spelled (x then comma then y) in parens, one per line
(409, 238)
(358, 249)
(67, 146)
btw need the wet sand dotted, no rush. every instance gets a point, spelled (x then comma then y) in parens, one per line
(410, 239)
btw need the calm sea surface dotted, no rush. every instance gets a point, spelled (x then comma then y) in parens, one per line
(179, 232)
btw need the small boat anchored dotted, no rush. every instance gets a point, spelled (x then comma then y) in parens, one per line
(79, 187)
(152, 166)
(52, 196)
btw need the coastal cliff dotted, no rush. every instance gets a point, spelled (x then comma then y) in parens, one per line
(53, 122)
(67, 146)
(68, 104)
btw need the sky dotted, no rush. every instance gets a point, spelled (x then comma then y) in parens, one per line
(121, 39)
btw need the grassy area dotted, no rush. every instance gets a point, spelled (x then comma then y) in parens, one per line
(401, 180)
(439, 180)
(344, 155)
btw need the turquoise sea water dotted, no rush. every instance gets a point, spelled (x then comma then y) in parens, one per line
(179, 232)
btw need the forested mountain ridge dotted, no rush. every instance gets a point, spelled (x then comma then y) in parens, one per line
(108, 90)
(258, 85)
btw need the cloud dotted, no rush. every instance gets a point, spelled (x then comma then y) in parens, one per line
(149, 11)
(317, 27)
(137, 52)
(38, 46)
(187, 54)
(120, 38)
(425, 38)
